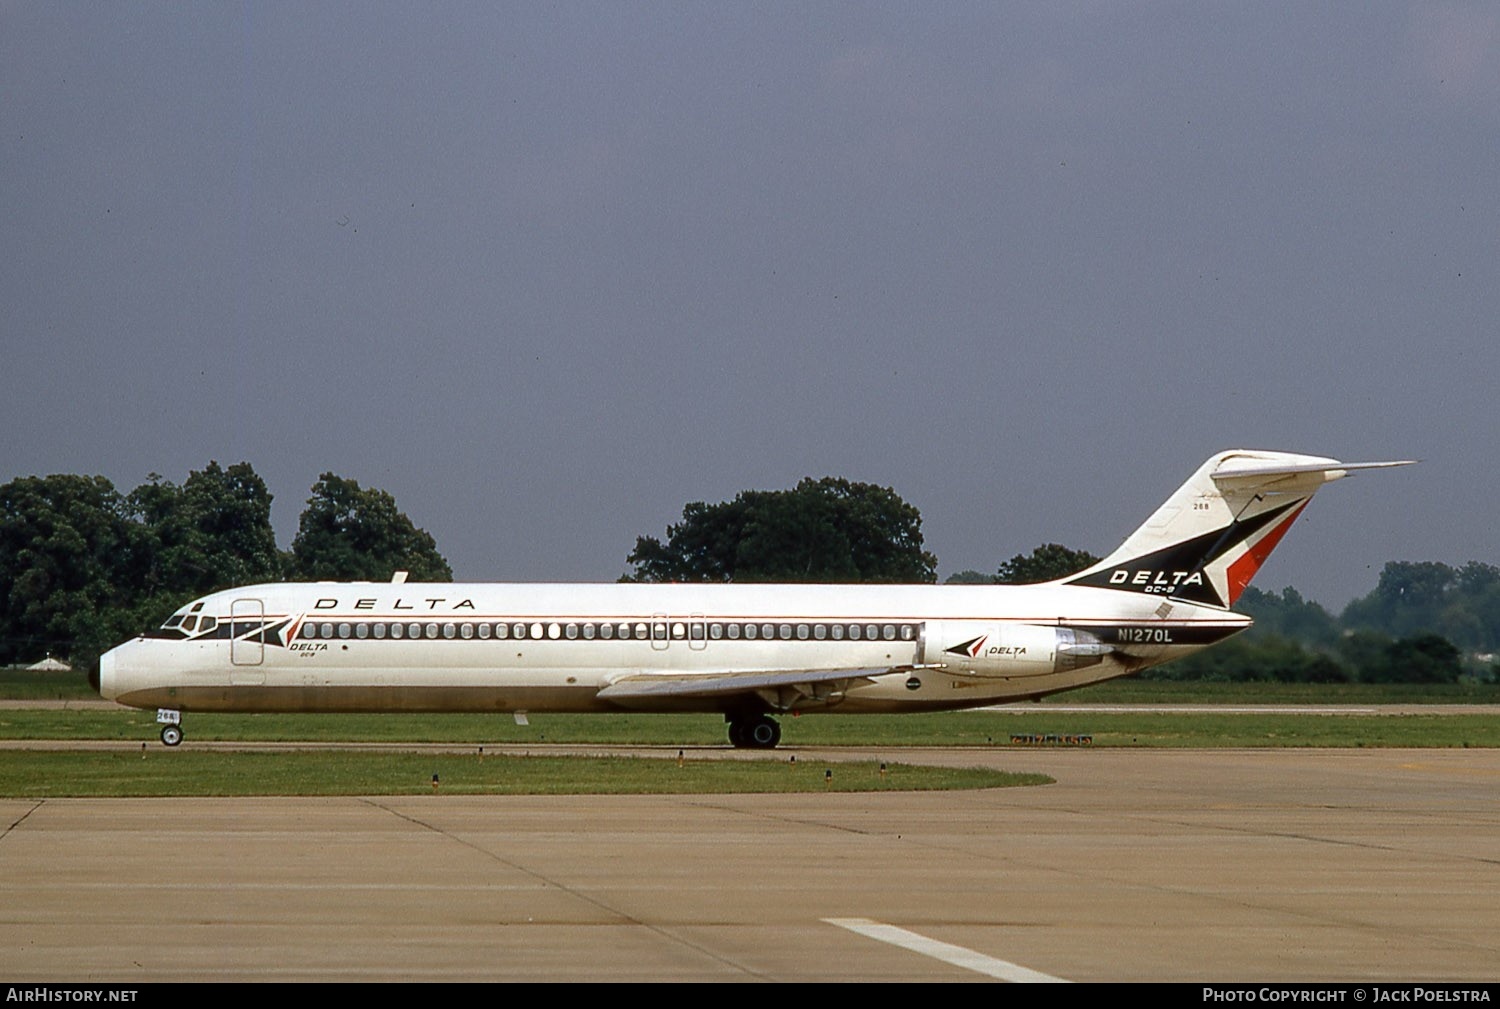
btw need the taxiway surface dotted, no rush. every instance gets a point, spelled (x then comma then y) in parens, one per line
(1137, 865)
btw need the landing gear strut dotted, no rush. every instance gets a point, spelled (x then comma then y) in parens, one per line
(754, 732)
(171, 725)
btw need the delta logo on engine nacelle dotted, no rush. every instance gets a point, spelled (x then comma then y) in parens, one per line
(1015, 649)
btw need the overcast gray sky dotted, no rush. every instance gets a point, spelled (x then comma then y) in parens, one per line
(548, 271)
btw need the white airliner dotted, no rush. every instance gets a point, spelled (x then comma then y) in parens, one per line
(746, 651)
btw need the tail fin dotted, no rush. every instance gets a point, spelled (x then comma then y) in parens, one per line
(1208, 540)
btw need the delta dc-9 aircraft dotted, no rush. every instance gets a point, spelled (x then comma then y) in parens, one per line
(747, 651)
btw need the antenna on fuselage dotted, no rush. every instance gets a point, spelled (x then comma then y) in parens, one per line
(398, 577)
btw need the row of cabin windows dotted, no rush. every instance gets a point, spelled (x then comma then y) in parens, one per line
(641, 630)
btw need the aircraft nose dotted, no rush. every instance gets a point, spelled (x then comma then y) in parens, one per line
(101, 673)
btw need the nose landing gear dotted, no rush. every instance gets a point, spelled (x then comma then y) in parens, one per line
(171, 726)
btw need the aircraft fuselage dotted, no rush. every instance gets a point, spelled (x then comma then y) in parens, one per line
(748, 651)
(482, 647)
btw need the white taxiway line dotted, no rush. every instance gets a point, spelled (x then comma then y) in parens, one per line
(946, 952)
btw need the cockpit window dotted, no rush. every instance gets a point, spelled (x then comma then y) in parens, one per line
(189, 621)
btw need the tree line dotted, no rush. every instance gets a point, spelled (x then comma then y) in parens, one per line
(83, 566)
(1424, 622)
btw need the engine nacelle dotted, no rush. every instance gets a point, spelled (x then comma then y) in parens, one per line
(987, 648)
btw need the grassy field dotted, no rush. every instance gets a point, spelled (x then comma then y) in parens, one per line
(971, 728)
(1136, 691)
(159, 772)
(1196, 728)
(25, 685)
(153, 770)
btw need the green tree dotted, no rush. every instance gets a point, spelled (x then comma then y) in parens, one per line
(1426, 658)
(1422, 658)
(969, 576)
(1408, 597)
(211, 533)
(231, 514)
(64, 543)
(349, 533)
(1267, 658)
(1288, 615)
(1412, 598)
(1046, 563)
(828, 530)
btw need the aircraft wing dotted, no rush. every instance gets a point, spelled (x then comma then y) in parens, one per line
(780, 688)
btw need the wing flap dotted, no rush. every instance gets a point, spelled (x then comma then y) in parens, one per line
(655, 685)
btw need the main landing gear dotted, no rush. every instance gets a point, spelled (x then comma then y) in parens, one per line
(754, 732)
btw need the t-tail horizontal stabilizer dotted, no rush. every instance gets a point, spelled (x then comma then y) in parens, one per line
(1208, 540)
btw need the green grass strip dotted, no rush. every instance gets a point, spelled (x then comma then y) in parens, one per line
(1197, 729)
(160, 772)
(1132, 690)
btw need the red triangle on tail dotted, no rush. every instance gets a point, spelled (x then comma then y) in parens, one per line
(1243, 569)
